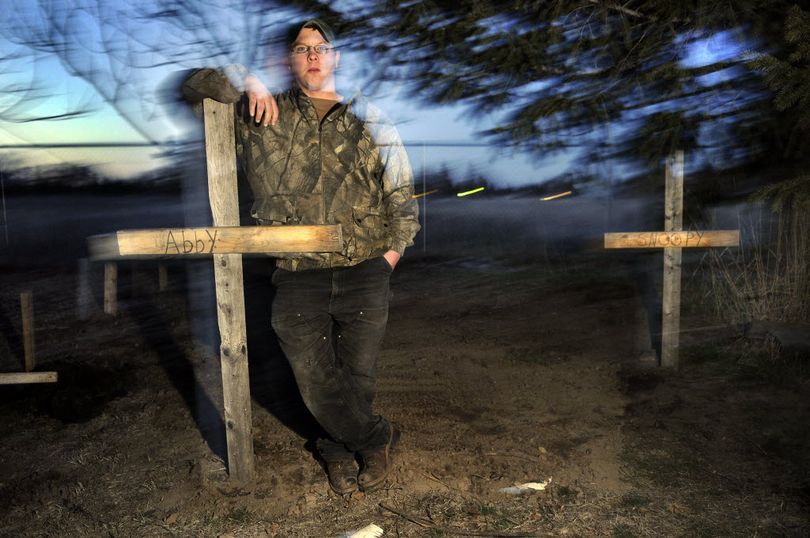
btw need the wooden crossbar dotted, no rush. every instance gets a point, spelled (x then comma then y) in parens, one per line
(674, 239)
(19, 378)
(172, 242)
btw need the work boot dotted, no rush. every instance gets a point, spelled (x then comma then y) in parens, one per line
(377, 464)
(342, 476)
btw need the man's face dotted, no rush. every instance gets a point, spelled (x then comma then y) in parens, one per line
(314, 72)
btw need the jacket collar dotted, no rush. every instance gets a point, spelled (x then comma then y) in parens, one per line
(307, 109)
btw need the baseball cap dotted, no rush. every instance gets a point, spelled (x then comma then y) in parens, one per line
(316, 24)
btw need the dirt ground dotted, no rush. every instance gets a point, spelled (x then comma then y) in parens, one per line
(499, 374)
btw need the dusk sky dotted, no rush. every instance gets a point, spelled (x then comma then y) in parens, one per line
(418, 124)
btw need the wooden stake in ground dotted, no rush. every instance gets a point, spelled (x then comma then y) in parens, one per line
(111, 288)
(163, 277)
(84, 295)
(27, 308)
(222, 191)
(672, 240)
(673, 222)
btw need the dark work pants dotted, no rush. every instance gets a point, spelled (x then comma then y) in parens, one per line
(330, 324)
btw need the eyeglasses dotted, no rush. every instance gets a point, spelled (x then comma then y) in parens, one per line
(320, 50)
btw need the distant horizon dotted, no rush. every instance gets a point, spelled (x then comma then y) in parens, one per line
(416, 149)
(59, 175)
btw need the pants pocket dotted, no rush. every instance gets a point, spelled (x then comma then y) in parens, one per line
(386, 265)
(298, 332)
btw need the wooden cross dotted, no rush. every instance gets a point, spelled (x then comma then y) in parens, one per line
(226, 241)
(672, 240)
(28, 376)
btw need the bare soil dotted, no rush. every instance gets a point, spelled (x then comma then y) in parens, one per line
(499, 374)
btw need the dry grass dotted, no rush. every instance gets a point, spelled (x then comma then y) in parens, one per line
(768, 277)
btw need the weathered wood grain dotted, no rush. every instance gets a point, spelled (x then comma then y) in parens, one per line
(205, 241)
(673, 222)
(19, 378)
(27, 309)
(673, 239)
(222, 190)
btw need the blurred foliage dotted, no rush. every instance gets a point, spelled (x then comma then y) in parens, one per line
(600, 75)
(612, 80)
(792, 193)
(788, 75)
(119, 49)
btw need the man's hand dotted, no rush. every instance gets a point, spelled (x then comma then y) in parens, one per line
(261, 103)
(392, 257)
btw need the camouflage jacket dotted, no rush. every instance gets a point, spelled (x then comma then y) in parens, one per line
(349, 168)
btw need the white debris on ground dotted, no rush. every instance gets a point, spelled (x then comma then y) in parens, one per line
(369, 531)
(528, 487)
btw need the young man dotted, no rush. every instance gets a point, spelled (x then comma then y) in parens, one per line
(312, 156)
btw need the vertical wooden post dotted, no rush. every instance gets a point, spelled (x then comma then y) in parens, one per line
(27, 307)
(644, 343)
(84, 296)
(136, 287)
(222, 190)
(424, 204)
(111, 288)
(673, 221)
(163, 277)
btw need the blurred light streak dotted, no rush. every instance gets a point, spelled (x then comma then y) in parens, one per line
(555, 196)
(421, 194)
(467, 193)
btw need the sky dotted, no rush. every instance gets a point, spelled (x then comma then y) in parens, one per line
(434, 135)
(424, 129)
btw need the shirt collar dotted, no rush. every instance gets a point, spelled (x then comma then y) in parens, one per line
(305, 106)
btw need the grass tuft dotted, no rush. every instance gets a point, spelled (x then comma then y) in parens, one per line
(240, 516)
(634, 499)
(768, 276)
(623, 531)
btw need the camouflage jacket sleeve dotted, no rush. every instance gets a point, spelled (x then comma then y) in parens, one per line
(397, 180)
(225, 85)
